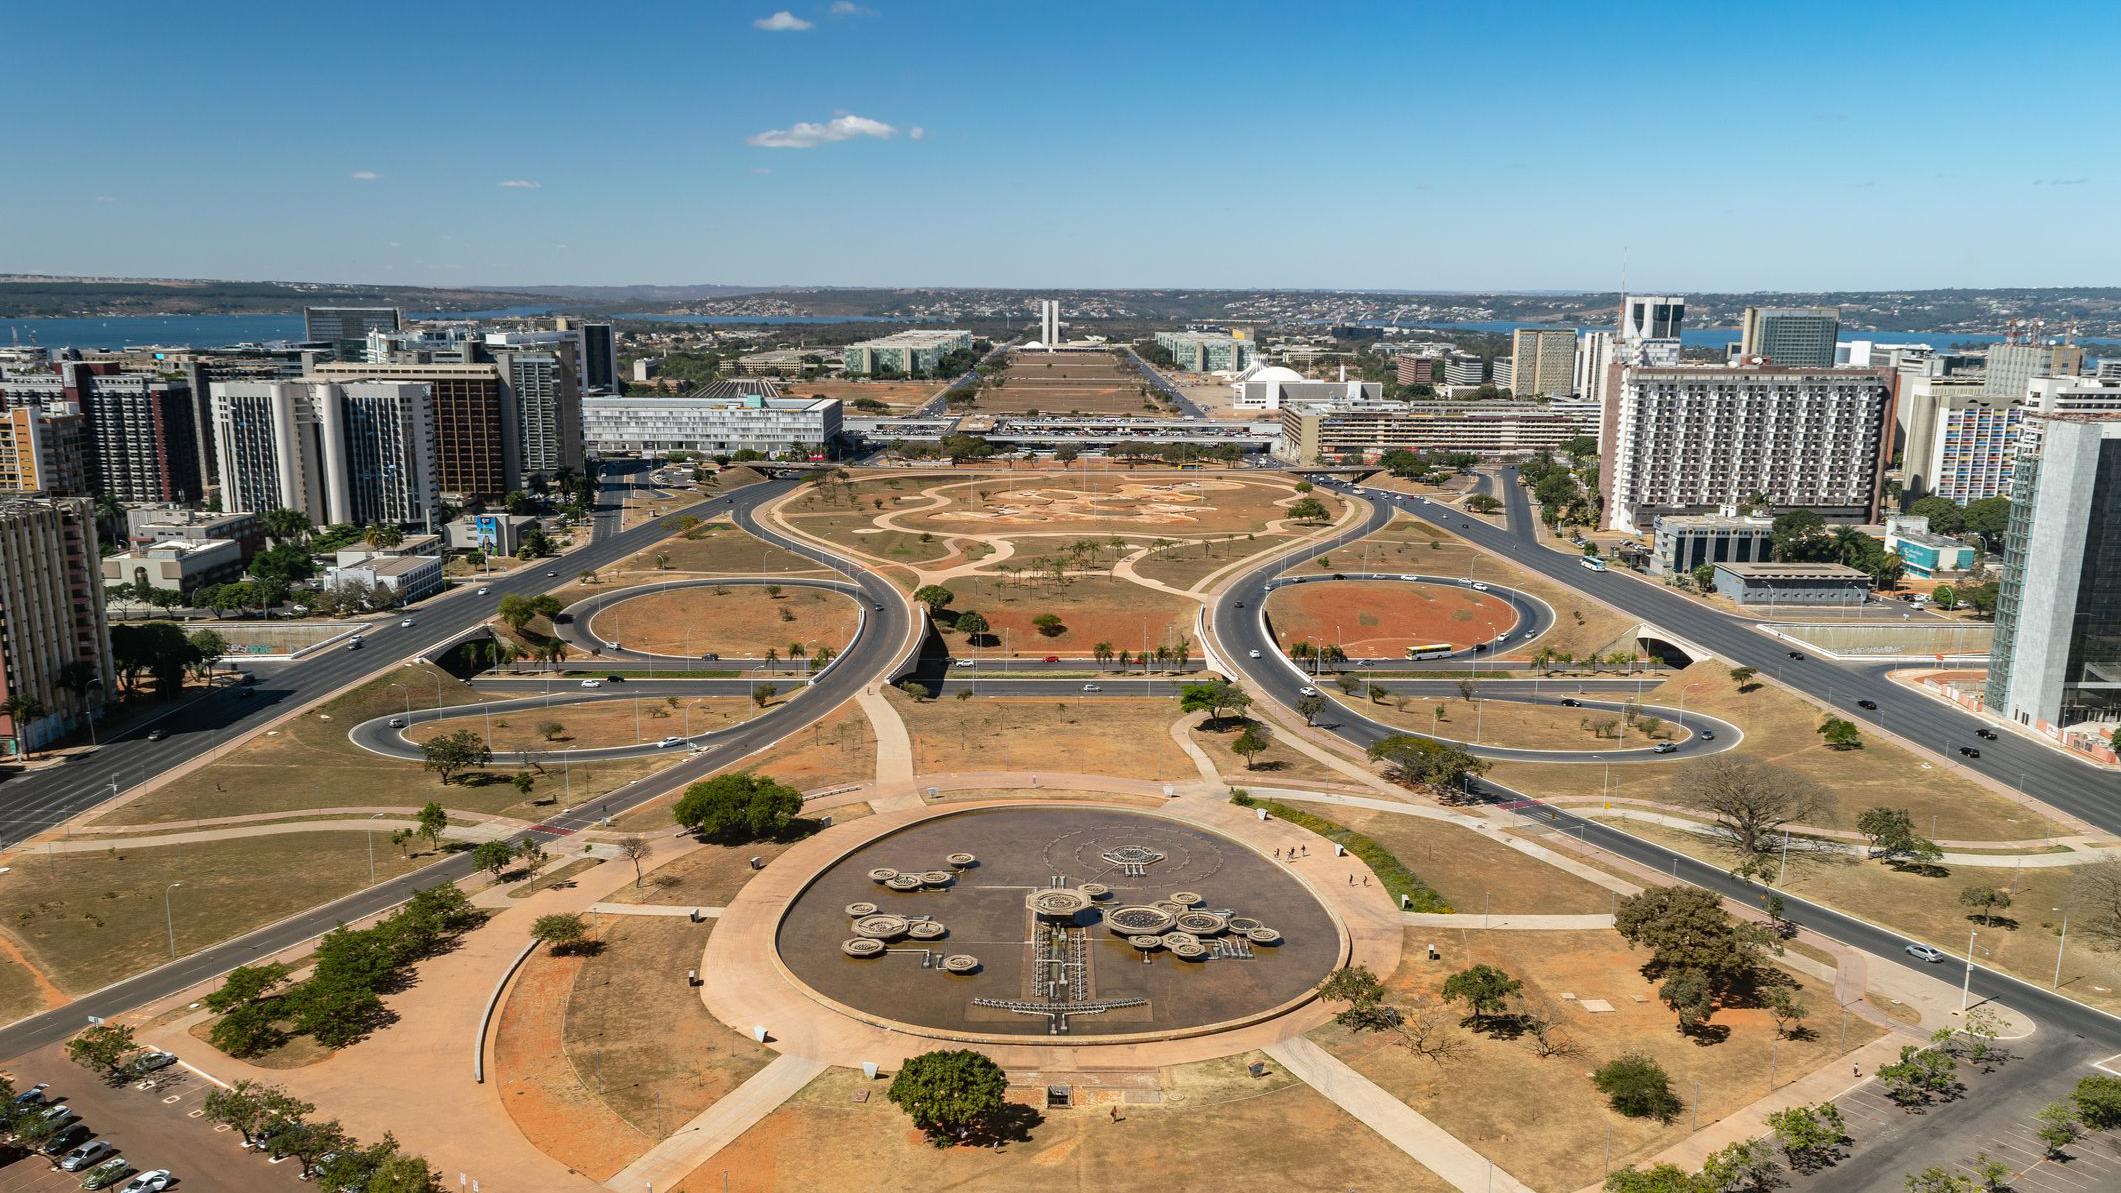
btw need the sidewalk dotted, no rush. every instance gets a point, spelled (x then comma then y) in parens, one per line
(718, 1126)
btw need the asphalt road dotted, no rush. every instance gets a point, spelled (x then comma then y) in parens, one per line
(875, 652)
(1237, 631)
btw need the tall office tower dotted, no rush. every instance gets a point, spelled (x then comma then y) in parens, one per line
(1650, 327)
(144, 442)
(2056, 660)
(548, 409)
(1954, 441)
(2011, 366)
(51, 618)
(1503, 373)
(1543, 362)
(478, 453)
(1594, 352)
(357, 451)
(44, 447)
(1693, 440)
(600, 360)
(1049, 321)
(1791, 337)
(346, 328)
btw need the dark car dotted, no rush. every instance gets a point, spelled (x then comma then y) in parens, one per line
(1571, 702)
(1969, 751)
(67, 1140)
(157, 734)
(1869, 704)
(1240, 604)
(1797, 655)
(614, 679)
(1339, 576)
(1985, 734)
(712, 657)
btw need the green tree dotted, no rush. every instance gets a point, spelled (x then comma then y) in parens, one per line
(1356, 986)
(1746, 1166)
(252, 1109)
(2098, 1101)
(1659, 1178)
(285, 525)
(1307, 509)
(1946, 596)
(1687, 993)
(492, 855)
(1892, 835)
(1810, 1136)
(743, 806)
(1481, 503)
(1686, 928)
(102, 1049)
(523, 781)
(1251, 741)
(1743, 676)
(563, 931)
(1840, 734)
(972, 626)
(1049, 625)
(433, 820)
(1938, 1180)
(1638, 1087)
(453, 753)
(1986, 902)
(208, 649)
(1800, 536)
(1920, 1075)
(1308, 707)
(1484, 989)
(1418, 761)
(1783, 1004)
(951, 1095)
(935, 596)
(1704, 577)
(246, 985)
(1216, 697)
(2059, 1127)
(248, 1030)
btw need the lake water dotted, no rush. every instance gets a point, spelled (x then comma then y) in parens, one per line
(220, 331)
(1717, 337)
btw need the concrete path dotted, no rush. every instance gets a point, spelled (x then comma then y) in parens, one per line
(1506, 923)
(455, 832)
(654, 909)
(2078, 856)
(894, 746)
(1430, 1145)
(717, 1126)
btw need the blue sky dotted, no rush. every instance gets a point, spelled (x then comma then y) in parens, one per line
(1401, 145)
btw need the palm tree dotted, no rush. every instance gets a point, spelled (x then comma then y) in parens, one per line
(1102, 652)
(22, 709)
(772, 657)
(286, 525)
(1849, 543)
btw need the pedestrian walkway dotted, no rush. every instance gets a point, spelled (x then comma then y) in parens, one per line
(894, 746)
(1506, 923)
(718, 1126)
(491, 830)
(705, 913)
(1430, 1145)
(2076, 855)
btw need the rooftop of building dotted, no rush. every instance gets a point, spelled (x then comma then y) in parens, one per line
(1793, 571)
(918, 338)
(397, 565)
(703, 400)
(1715, 521)
(175, 548)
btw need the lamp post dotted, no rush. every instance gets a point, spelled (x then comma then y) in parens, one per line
(2057, 983)
(371, 835)
(1966, 988)
(169, 919)
(408, 701)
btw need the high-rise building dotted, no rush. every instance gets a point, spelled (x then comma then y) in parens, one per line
(141, 437)
(477, 450)
(1791, 337)
(1543, 362)
(1503, 372)
(54, 642)
(1418, 368)
(1317, 432)
(1049, 331)
(2056, 660)
(1693, 440)
(1594, 354)
(1464, 368)
(2011, 366)
(44, 447)
(1955, 442)
(905, 354)
(346, 328)
(351, 451)
(600, 359)
(1650, 329)
(548, 409)
(1206, 351)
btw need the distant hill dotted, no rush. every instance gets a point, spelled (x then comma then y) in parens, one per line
(31, 297)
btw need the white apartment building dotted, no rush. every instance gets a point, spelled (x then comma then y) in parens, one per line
(1650, 327)
(1464, 368)
(1594, 353)
(51, 615)
(354, 451)
(1693, 440)
(1543, 362)
(1955, 441)
(1317, 432)
(622, 426)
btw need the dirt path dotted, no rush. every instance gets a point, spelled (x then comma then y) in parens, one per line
(50, 995)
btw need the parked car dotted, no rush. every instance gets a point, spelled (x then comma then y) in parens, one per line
(32, 1096)
(1985, 734)
(108, 1173)
(1869, 704)
(668, 742)
(1922, 952)
(148, 1062)
(86, 1155)
(152, 1181)
(67, 1140)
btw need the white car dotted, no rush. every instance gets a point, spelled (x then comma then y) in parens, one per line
(1404, 576)
(1479, 587)
(153, 1181)
(1255, 654)
(405, 624)
(1307, 691)
(1091, 687)
(965, 663)
(668, 742)
(484, 591)
(592, 683)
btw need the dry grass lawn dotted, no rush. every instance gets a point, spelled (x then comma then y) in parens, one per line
(900, 396)
(1279, 764)
(1141, 507)
(740, 622)
(717, 548)
(1507, 722)
(1552, 1141)
(1186, 563)
(701, 876)
(1473, 870)
(1782, 728)
(1216, 1126)
(1105, 735)
(310, 763)
(88, 919)
(618, 721)
(1380, 619)
(1092, 609)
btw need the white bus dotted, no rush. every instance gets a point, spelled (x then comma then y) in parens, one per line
(1594, 563)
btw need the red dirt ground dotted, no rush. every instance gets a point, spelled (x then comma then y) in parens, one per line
(537, 1082)
(1381, 618)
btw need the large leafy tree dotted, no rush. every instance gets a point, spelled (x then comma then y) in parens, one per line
(1687, 931)
(949, 1094)
(1800, 536)
(1421, 761)
(1216, 697)
(453, 753)
(1485, 989)
(743, 806)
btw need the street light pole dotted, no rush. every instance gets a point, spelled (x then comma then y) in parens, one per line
(2057, 983)
(1966, 988)
(169, 919)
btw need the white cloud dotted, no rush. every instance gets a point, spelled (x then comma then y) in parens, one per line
(364, 176)
(848, 8)
(806, 135)
(782, 22)
(106, 198)
(521, 184)
(393, 244)
(917, 133)
(760, 170)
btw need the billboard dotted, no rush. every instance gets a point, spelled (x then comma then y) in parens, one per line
(486, 530)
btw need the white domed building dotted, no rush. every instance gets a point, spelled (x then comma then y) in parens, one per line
(1268, 387)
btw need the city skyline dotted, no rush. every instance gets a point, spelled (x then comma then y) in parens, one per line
(922, 145)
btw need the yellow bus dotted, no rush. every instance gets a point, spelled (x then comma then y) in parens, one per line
(1432, 650)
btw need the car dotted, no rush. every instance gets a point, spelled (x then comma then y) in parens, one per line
(712, 657)
(1307, 691)
(1571, 702)
(1052, 658)
(668, 742)
(405, 624)
(1091, 687)
(1869, 704)
(1706, 735)
(1970, 751)
(353, 644)
(1255, 654)
(1797, 655)
(551, 575)
(397, 722)
(33, 1096)
(1985, 734)
(614, 679)
(878, 608)
(484, 591)
(148, 1062)
(152, 1181)
(67, 1140)
(1404, 576)
(157, 734)
(86, 1155)
(1664, 747)
(1465, 526)
(1339, 576)
(1922, 952)
(965, 663)
(58, 1112)
(1479, 646)
(1479, 586)
(1239, 605)
(1366, 662)
(618, 646)
(108, 1173)
(592, 683)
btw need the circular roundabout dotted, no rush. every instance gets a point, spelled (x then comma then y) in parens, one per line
(1081, 923)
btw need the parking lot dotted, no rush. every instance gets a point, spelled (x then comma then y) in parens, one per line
(154, 1124)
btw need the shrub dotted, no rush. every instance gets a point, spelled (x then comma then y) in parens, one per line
(1638, 1087)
